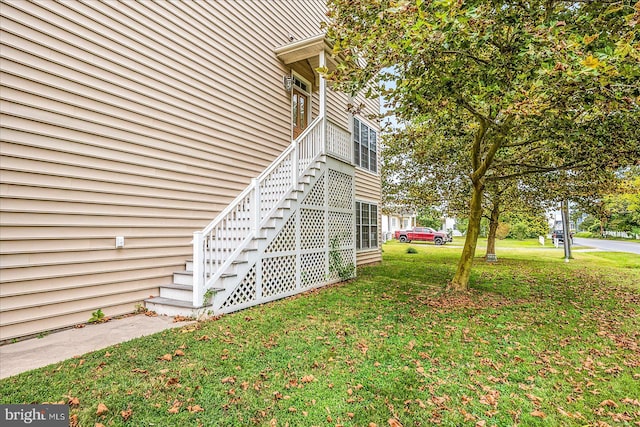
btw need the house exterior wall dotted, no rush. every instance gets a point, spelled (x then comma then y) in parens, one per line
(134, 119)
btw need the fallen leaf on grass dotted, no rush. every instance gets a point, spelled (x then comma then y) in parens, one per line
(172, 381)
(534, 399)
(203, 338)
(195, 408)
(99, 425)
(126, 414)
(490, 398)
(609, 403)
(179, 353)
(166, 357)
(175, 408)
(139, 371)
(538, 414)
(467, 416)
(307, 379)
(74, 401)
(394, 423)
(362, 346)
(228, 380)
(102, 408)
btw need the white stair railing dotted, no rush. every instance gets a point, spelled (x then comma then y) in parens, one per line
(220, 242)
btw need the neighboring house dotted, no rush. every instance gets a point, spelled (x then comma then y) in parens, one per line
(451, 225)
(183, 155)
(397, 220)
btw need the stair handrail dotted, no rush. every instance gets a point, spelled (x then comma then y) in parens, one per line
(292, 146)
(200, 283)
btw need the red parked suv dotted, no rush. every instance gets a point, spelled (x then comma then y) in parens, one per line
(425, 234)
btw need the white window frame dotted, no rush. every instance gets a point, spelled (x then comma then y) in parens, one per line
(372, 236)
(357, 159)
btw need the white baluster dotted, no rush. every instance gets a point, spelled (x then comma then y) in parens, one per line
(255, 208)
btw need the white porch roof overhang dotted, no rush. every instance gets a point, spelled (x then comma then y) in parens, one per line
(310, 49)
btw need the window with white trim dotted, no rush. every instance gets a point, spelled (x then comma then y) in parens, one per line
(365, 149)
(366, 225)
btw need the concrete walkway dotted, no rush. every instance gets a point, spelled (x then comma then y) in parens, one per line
(58, 346)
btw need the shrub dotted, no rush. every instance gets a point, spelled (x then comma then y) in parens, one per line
(583, 234)
(520, 231)
(411, 250)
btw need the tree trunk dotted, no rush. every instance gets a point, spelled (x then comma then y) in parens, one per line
(460, 281)
(493, 228)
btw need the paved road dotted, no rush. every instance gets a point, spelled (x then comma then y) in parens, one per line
(607, 245)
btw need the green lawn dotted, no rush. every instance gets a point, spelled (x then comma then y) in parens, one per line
(537, 342)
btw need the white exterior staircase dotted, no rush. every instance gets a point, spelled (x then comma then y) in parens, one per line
(279, 237)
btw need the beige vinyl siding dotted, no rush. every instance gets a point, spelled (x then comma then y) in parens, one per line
(134, 119)
(337, 108)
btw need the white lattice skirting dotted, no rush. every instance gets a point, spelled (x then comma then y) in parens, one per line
(297, 258)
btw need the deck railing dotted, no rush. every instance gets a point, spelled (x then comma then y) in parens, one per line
(339, 142)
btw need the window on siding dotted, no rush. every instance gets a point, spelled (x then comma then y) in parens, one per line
(365, 146)
(366, 225)
(302, 85)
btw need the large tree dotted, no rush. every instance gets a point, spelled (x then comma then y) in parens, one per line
(530, 82)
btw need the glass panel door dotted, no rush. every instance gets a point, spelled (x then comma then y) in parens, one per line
(300, 112)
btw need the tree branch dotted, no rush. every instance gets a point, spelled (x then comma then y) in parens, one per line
(468, 55)
(520, 144)
(477, 145)
(535, 169)
(493, 149)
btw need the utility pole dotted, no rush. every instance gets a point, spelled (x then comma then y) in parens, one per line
(564, 209)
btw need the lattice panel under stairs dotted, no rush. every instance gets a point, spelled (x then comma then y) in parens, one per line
(245, 292)
(297, 255)
(316, 195)
(340, 190)
(286, 239)
(341, 228)
(312, 269)
(312, 229)
(278, 275)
